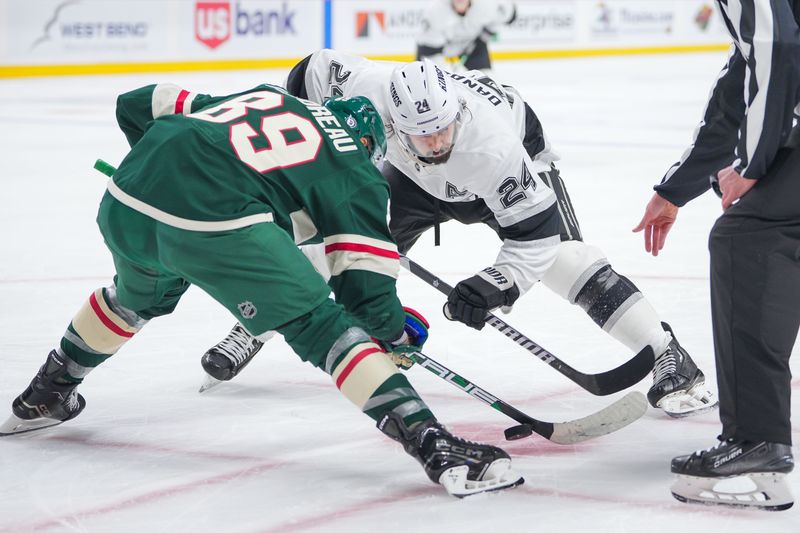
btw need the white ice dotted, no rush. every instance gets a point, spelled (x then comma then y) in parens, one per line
(278, 449)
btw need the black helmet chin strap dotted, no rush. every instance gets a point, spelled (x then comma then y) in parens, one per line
(437, 211)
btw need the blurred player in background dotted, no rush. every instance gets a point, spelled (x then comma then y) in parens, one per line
(460, 30)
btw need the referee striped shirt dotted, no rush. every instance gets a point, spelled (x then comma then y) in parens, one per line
(753, 103)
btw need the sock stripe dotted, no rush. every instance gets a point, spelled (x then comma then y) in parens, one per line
(365, 248)
(180, 101)
(353, 363)
(107, 322)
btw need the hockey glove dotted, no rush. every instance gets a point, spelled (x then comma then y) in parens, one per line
(415, 333)
(415, 328)
(473, 298)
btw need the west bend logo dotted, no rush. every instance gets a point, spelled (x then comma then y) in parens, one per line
(215, 21)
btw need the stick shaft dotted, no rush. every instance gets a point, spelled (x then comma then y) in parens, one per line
(604, 383)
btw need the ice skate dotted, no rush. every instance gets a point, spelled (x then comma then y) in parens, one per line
(48, 401)
(756, 470)
(678, 385)
(225, 360)
(462, 467)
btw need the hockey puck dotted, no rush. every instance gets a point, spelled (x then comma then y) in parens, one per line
(518, 432)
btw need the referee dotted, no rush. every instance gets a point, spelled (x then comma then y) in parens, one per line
(748, 143)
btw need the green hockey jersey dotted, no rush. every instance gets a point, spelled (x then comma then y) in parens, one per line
(205, 163)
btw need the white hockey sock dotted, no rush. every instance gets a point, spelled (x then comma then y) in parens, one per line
(639, 326)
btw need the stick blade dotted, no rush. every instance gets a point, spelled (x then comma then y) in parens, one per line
(614, 417)
(620, 378)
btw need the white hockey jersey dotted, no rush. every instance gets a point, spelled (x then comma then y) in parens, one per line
(443, 28)
(488, 160)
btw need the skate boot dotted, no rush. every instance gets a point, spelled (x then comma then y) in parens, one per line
(225, 360)
(764, 464)
(462, 467)
(678, 385)
(48, 400)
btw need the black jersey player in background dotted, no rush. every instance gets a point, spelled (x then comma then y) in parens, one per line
(748, 143)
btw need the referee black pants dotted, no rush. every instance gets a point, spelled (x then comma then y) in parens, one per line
(755, 303)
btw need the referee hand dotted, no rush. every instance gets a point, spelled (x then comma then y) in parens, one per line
(733, 186)
(659, 216)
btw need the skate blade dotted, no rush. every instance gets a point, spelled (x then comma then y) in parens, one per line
(15, 425)
(455, 481)
(695, 401)
(771, 493)
(209, 383)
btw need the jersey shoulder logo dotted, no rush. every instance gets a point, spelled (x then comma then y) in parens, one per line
(451, 191)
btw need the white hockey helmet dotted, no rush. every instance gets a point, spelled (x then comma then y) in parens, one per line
(425, 110)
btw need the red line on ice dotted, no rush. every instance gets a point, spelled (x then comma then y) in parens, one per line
(367, 505)
(143, 499)
(149, 448)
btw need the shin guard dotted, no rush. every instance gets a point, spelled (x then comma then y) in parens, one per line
(368, 378)
(98, 330)
(582, 275)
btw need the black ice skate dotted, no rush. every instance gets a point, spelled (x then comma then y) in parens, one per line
(764, 464)
(462, 467)
(225, 360)
(46, 402)
(678, 385)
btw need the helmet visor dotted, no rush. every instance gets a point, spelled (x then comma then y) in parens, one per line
(433, 146)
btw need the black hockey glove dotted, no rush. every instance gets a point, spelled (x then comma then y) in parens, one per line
(471, 299)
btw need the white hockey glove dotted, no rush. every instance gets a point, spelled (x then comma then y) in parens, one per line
(471, 299)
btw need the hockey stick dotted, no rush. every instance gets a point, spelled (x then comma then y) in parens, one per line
(608, 382)
(616, 416)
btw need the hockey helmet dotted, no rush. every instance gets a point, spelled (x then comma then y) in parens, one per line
(360, 117)
(425, 110)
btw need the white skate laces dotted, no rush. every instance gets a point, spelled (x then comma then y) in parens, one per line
(236, 346)
(665, 365)
(691, 396)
